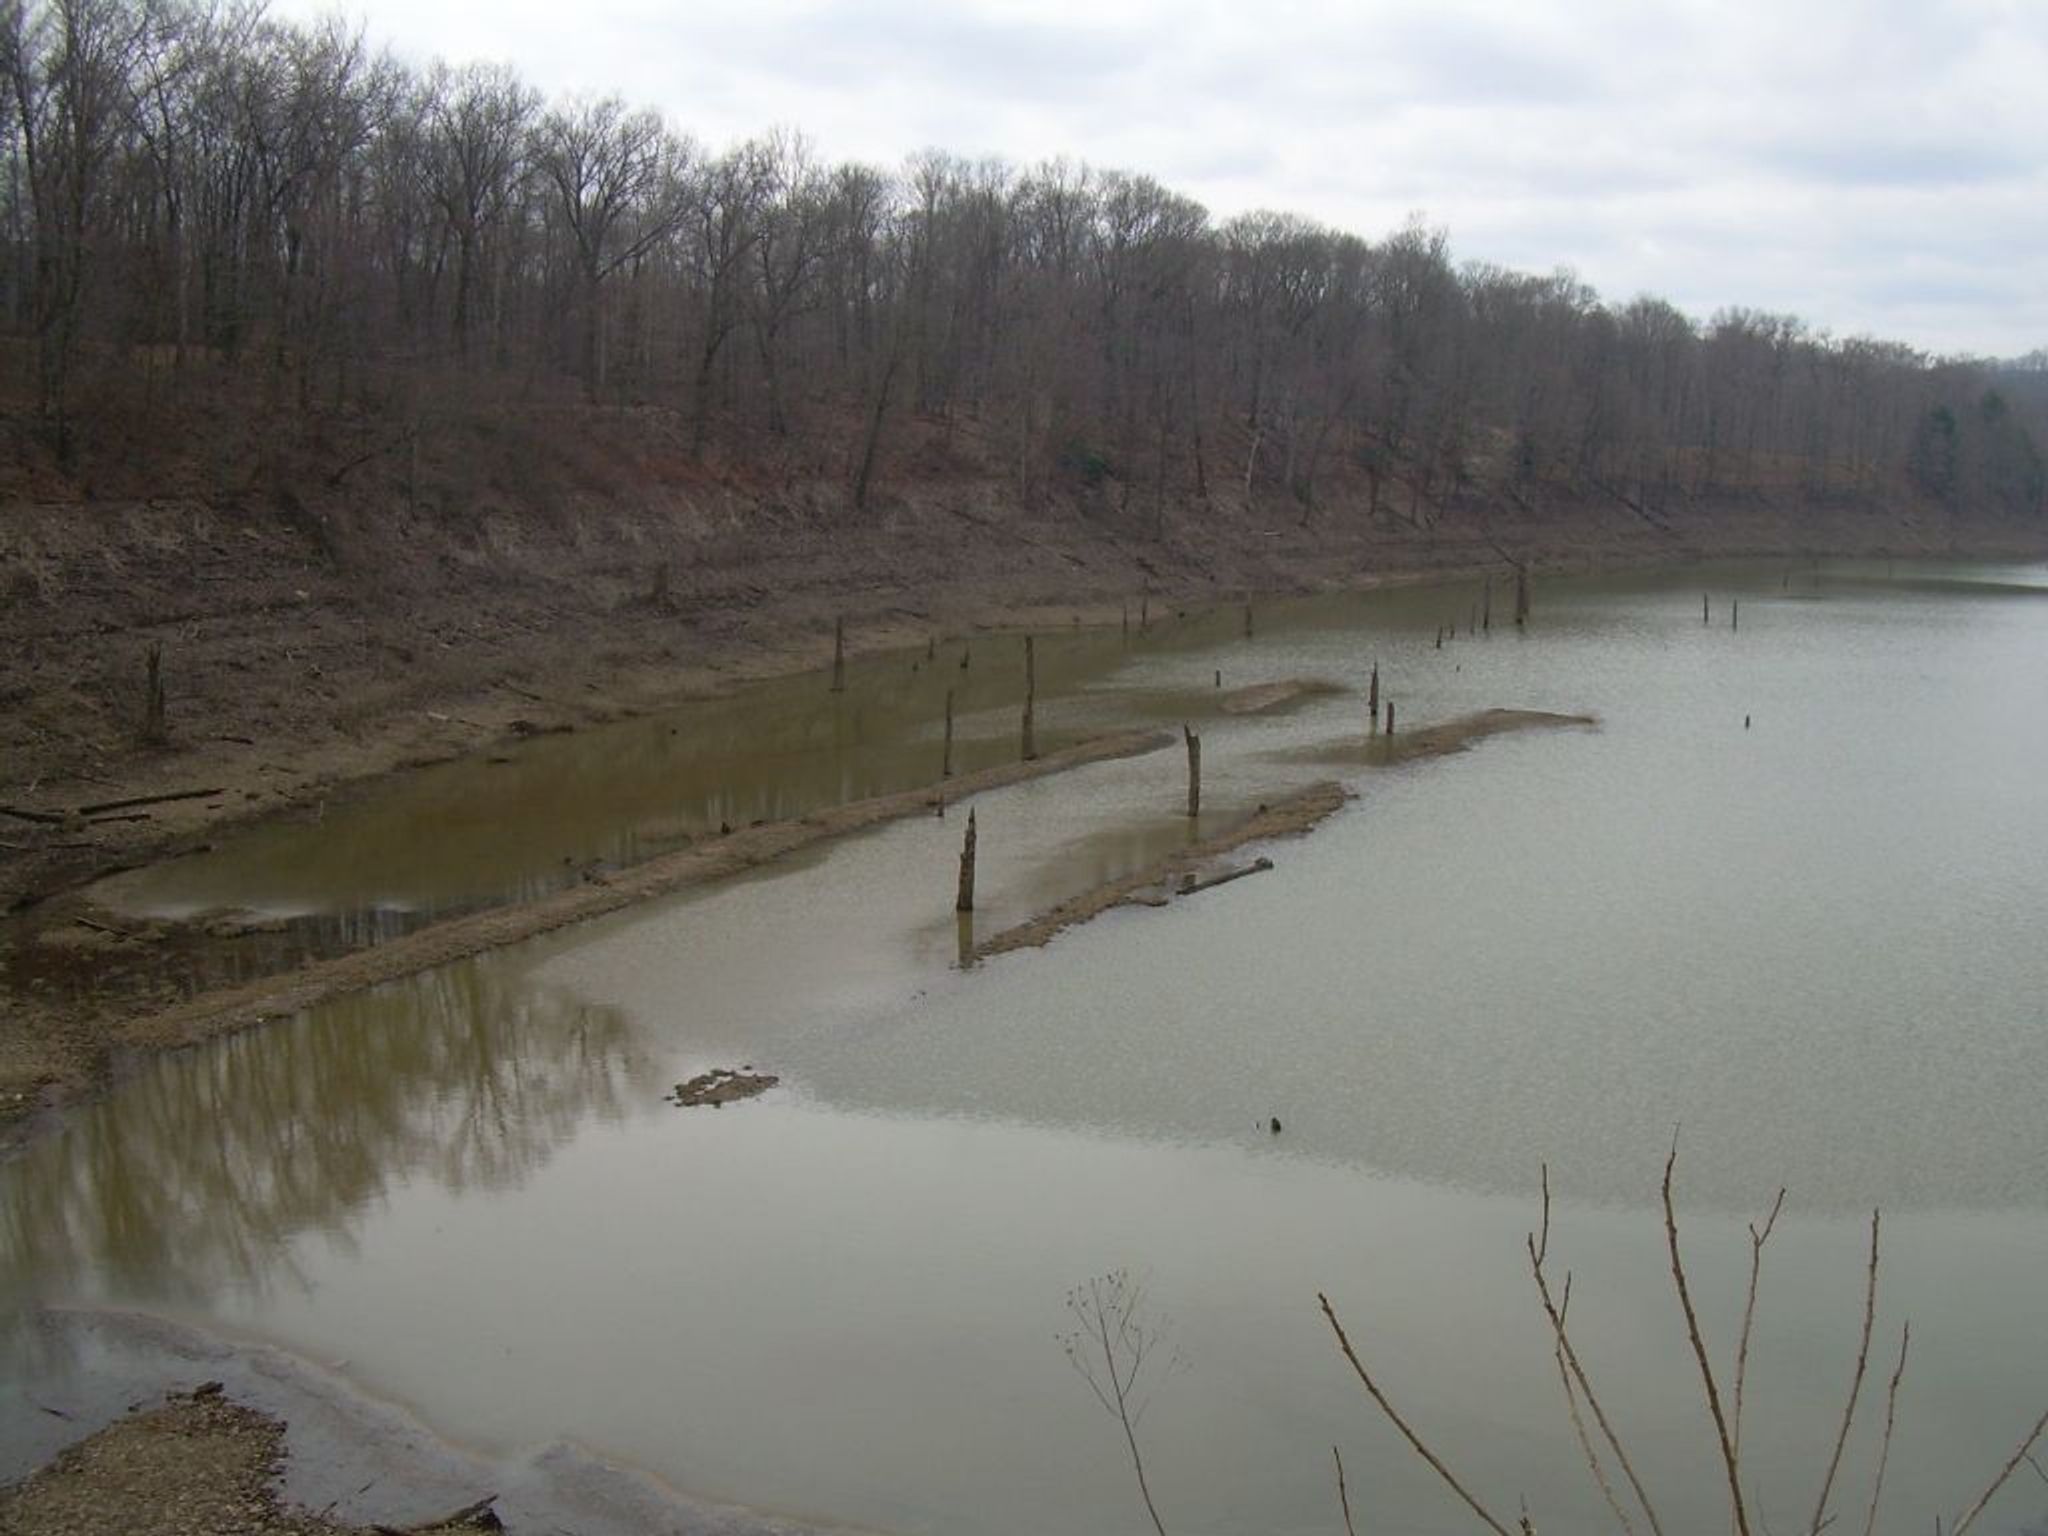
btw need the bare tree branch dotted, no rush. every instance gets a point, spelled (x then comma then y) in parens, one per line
(1343, 1493)
(1699, 1350)
(1969, 1516)
(1757, 1239)
(1827, 1484)
(1394, 1417)
(1891, 1409)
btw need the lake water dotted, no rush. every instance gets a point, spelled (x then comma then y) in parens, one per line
(1809, 944)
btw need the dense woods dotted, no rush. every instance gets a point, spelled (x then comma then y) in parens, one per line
(199, 199)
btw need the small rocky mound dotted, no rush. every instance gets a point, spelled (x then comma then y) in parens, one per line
(721, 1086)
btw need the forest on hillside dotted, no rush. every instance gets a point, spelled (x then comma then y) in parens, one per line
(203, 203)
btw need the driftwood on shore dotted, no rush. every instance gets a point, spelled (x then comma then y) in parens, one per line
(58, 818)
(239, 1007)
(1156, 884)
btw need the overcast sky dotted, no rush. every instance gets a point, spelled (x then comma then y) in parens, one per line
(1875, 166)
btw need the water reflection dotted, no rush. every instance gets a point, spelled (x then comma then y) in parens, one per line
(198, 1173)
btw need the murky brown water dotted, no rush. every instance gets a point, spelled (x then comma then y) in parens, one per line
(1811, 942)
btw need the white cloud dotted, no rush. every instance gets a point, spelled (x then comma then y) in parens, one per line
(1872, 165)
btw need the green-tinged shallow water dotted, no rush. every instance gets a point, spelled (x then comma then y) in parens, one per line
(1813, 944)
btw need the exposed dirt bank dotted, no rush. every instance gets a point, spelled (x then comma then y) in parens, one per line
(318, 632)
(1182, 873)
(198, 1465)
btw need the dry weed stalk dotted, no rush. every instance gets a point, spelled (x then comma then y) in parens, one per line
(1111, 1346)
(1578, 1388)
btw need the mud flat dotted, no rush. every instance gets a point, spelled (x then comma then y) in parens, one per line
(1183, 873)
(236, 1008)
(1439, 740)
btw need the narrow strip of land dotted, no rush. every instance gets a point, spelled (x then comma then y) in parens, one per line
(1297, 814)
(1260, 698)
(234, 1008)
(1442, 739)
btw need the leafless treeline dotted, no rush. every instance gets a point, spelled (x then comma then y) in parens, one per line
(195, 190)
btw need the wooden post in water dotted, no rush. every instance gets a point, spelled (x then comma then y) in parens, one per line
(1219, 677)
(1372, 700)
(1439, 637)
(1735, 613)
(1521, 596)
(1390, 717)
(1486, 606)
(1247, 621)
(966, 651)
(1030, 698)
(1127, 620)
(1705, 618)
(946, 762)
(839, 655)
(154, 731)
(964, 902)
(1194, 772)
(1472, 622)
(1144, 611)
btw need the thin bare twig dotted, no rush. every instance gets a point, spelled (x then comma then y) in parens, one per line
(1343, 1493)
(1539, 1250)
(1394, 1417)
(1827, 1485)
(1699, 1350)
(1964, 1520)
(1756, 1263)
(1891, 1410)
(1571, 1403)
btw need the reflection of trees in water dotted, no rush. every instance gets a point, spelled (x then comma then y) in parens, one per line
(199, 1171)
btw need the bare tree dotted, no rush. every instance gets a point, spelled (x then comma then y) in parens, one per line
(617, 177)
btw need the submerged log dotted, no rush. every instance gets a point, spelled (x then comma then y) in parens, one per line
(1191, 886)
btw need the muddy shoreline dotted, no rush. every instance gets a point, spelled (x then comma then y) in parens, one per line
(54, 1050)
(235, 1008)
(553, 683)
(128, 1421)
